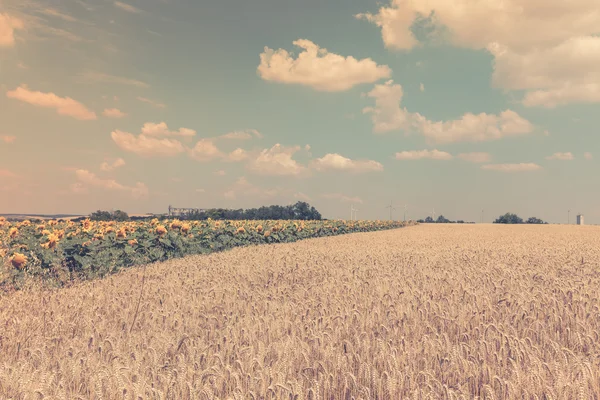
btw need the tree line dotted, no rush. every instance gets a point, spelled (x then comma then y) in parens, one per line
(300, 211)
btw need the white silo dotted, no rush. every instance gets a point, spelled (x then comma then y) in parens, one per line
(579, 219)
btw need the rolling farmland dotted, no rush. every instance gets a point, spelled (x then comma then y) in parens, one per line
(427, 312)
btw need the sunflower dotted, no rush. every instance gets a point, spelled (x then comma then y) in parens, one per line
(133, 242)
(161, 230)
(121, 233)
(240, 230)
(259, 228)
(13, 232)
(18, 260)
(176, 224)
(185, 228)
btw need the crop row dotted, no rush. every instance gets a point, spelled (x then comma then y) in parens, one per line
(58, 252)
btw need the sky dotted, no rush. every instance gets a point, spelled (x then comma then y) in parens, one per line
(466, 108)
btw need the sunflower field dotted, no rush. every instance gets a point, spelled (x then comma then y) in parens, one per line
(58, 252)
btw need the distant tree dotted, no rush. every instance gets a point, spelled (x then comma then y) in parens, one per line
(101, 215)
(442, 220)
(534, 220)
(429, 220)
(460, 221)
(120, 216)
(509, 218)
(420, 221)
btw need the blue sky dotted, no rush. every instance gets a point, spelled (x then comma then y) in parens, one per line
(456, 106)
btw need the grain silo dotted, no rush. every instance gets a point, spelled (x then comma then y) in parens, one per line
(579, 219)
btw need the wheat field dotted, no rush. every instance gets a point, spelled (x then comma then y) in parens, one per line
(426, 312)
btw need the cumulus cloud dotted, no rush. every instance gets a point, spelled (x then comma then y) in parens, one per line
(238, 154)
(561, 156)
(8, 25)
(8, 138)
(63, 105)
(389, 115)
(520, 24)
(421, 154)
(318, 68)
(342, 198)
(276, 161)
(475, 157)
(587, 155)
(512, 167)
(147, 146)
(106, 166)
(205, 150)
(161, 129)
(552, 76)
(549, 49)
(334, 161)
(242, 135)
(113, 113)
(89, 178)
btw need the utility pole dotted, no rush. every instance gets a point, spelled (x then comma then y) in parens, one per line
(391, 207)
(568, 217)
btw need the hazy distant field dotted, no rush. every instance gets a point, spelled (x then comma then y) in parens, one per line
(425, 312)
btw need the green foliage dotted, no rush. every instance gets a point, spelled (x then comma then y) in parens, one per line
(299, 211)
(510, 218)
(117, 215)
(98, 249)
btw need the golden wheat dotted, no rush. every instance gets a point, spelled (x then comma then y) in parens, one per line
(427, 312)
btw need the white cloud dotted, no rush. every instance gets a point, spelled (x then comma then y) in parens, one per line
(319, 69)
(587, 155)
(105, 166)
(127, 7)
(161, 129)
(520, 24)
(63, 105)
(342, 198)
(276, 161)
(99, 77)
(8, 25)
(512, 167)
(421, 154)
(147, 146)
(475, 157)
(338, 162)
(388, 115)
(89, 178)
(552, 76)
(561, 156)
(151, 102)
(242, 135)
(205, 150)
(550, 48)
(113, 113)
(238, 154)
(422, 87)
